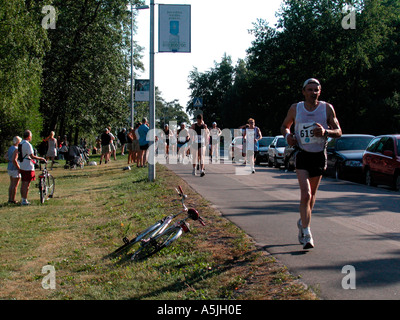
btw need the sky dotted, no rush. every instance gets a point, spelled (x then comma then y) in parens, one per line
(218, 27)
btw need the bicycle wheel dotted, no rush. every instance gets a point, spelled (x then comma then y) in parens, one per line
(42, 190)
(142, 235)
(157, 243)
(50, 186)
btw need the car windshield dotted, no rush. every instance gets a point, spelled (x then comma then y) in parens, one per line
(352, 143)
(281, 143)
(265, 142)
(398, 146)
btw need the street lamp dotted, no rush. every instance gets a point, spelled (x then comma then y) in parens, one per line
(132, 89)
(152, 104)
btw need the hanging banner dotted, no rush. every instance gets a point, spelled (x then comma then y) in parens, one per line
(142, 90)
(174, 28)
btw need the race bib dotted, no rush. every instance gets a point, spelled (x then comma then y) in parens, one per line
(200, 139)
(182, 139)
(306, 133)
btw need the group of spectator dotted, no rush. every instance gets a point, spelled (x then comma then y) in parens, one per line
(21, 166)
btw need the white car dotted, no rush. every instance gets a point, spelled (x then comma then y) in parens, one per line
(276, 151)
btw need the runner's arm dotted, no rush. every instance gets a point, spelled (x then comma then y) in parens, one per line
(286, 125)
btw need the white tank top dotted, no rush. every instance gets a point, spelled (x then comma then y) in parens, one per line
(305, 124)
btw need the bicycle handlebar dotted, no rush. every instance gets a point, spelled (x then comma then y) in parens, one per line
(193, 215)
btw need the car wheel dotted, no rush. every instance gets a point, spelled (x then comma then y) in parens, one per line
(338, 172)
(368, 178)
(397, 182)
(276, 165)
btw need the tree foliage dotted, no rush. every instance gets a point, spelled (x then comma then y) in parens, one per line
(358, 68)
(22, 47)
(86, 72)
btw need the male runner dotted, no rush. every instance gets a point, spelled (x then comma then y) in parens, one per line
(314, 121)
(200, 134)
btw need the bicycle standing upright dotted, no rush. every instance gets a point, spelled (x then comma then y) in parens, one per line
(46, 185)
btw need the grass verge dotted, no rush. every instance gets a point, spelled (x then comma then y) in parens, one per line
(93, 209)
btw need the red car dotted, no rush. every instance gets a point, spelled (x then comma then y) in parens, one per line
(381, 161)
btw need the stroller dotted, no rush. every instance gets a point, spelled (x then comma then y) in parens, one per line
(76, 156)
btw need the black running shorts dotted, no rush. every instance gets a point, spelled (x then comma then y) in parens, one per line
(313, 162)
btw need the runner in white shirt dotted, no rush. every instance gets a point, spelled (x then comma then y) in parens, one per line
(314, 121)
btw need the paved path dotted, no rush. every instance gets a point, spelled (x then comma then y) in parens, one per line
(352, 225)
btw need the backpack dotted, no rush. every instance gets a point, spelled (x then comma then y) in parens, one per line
(20, 157)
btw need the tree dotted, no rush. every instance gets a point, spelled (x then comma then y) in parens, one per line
(212, 86)
(23, 43)
(86, 71)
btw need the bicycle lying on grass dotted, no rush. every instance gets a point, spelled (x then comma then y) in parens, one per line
(46, 185)
(161, 234)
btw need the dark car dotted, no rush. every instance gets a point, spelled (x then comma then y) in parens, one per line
(381, 161)
(345, 156)
(263, 146)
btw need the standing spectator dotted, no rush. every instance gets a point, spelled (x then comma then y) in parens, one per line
(143, 143)
(135, 143)
(63, 152)
(129, 146)
(113, 148)
(98, 145)
(27, 166)
(13, 169)
(122, 139)
(105, 146)
(51, 148)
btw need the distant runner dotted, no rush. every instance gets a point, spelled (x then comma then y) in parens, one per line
(199, 143)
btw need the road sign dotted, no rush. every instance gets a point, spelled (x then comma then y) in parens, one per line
(198, 102)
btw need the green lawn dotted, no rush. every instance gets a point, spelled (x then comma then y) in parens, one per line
(93, 209)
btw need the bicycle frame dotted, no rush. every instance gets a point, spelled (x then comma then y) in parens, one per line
(159, 227)
(164, 236)
(44, 178)
(167, 220)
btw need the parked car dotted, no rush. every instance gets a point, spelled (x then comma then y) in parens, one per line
(381, 161)
(345, 155)
(263, 146)
(275, 151)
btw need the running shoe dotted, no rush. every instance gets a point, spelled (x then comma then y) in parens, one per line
(308, 242)
(301, 235)
(202, 173)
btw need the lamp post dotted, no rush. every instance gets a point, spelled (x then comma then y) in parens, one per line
(152, 165)
(132, 87)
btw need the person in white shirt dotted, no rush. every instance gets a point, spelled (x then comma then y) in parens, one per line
(27, 165)
(314, 121)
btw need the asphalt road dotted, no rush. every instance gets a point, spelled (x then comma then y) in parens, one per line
(352, 225)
